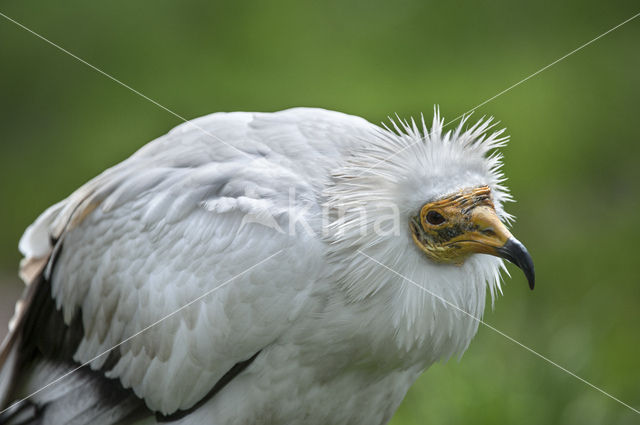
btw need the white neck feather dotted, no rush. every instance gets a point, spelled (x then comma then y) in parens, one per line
(433, 308)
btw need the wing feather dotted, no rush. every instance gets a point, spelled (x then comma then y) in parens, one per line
(183, 216)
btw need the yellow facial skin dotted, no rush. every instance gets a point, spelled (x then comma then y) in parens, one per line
(449, 230)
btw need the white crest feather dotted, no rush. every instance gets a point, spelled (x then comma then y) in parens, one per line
(404, 167)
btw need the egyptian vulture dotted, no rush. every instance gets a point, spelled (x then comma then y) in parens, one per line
(303, 266)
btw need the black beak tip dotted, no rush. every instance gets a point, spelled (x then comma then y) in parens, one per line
(516, 252)
(532, 279)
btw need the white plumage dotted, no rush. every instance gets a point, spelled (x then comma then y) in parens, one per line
(328, 336)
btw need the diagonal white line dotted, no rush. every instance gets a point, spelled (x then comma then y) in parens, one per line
(532, 351)
(550, 65)
(544, 68)
(381, 161)
(187, 305)
(112, 78)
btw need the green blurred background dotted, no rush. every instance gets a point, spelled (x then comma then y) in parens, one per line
(573, 163)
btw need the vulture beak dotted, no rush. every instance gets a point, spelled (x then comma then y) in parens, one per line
(490, 236)
(465, 223)
(514, 251)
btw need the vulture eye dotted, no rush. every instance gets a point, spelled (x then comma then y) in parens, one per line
(435, 218)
